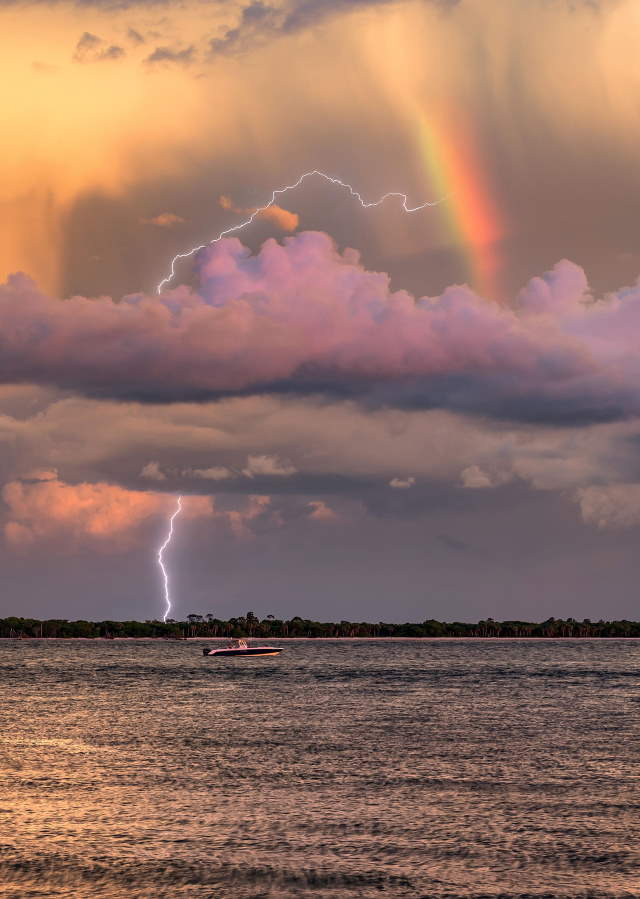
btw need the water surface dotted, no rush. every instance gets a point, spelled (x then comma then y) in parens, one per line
(417, 768)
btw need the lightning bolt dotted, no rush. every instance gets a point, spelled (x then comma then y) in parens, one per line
(234, 229)
(160, 558)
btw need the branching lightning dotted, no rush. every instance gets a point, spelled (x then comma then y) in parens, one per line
(160, 559)
(234, 229)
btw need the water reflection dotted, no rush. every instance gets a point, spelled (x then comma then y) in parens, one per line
(418, 768)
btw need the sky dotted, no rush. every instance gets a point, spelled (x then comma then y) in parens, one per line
(371, 414)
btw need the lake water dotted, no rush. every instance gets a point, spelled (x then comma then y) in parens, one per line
(340, 768)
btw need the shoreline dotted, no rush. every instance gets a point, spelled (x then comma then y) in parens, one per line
(320, 639)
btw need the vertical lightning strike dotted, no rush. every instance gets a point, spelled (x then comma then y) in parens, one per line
(283, 190)
(160, 561)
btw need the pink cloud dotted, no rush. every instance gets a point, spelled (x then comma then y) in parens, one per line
(108, 517)
(402, 483)
(239, 519)
(164, 220)
(270, 466)
(281, 218)
(302, 317)
(320, 511)
(610, 506)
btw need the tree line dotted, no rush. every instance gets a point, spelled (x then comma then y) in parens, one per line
(250, 625)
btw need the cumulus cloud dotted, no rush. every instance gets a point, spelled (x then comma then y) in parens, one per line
(240, 519)
(402, 483)
(153, 472)
(300, 317)
(91, 48)
(281, 218)
(257, 465)
(473, 476)
(320, 511)
(167, 56)
(214, 473)
(164, 220)
(87, 43)
(610, 506)
(271, 466)
(105, 515)
(41, 474)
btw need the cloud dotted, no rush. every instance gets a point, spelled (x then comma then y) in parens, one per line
(91, 48)
(105, 515)
(112, 52)
(610, 506)
(555, 355)
(164, 220)
(153, 472)
(475, 478)
(281, 218)
(239, 519)
(341, 450)
(256, 466)
(402, 484)
(134, 36)
(167, 56)
(87, 44)
(320, 511)
(269, 466)
(215, 473)
(260, 22)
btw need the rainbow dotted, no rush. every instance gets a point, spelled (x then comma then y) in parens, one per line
(472, 218)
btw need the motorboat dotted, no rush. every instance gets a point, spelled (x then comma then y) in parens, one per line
(242, 648)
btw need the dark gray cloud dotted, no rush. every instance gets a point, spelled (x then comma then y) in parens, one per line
(134, 36)
(169, 56)
(258, 22)
(91, 48)
(261, 22)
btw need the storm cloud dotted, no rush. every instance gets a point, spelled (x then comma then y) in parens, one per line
(301, 317)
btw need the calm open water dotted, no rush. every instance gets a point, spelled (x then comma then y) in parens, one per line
(341, 768)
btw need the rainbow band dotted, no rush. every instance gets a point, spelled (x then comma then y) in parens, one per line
(472, 218)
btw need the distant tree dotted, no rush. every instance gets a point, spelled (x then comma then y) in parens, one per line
(194, 620)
